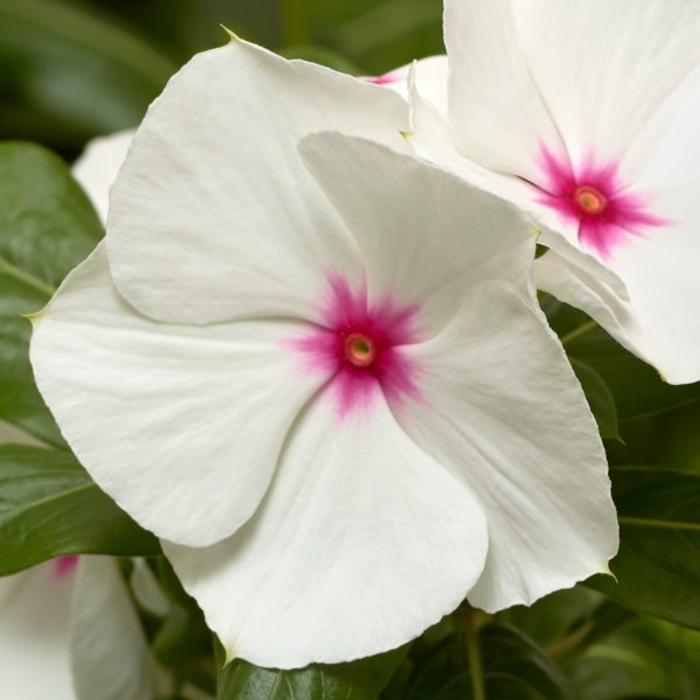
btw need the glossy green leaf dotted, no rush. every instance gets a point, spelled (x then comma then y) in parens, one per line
(658, 565)
(69, 74)
(183, 642)
(50, 507)
(360, 680)
(513, 667)
(47, 226)
(649, 659)
(636, 386)
(599, 396)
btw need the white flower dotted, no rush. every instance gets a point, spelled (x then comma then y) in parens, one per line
(98, 165)
(339, 406)
(587, 113)
(68, 631)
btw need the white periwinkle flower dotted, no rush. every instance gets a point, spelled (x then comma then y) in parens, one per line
(589, 112)
(68, 631)
(338, 405)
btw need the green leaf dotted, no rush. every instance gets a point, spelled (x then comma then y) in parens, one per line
(47, 226)
(600, 398)
(513, 667)
(69, 74)
(183, 641)
(658, 565)
(360, 680)
(381, 36)
(50, 507)
(649, 659)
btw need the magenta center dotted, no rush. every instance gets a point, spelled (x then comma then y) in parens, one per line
(589, 200)
(360, 345)
(594, 199)
(359, 349)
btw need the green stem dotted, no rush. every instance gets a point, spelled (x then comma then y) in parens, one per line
(13, 271)
(295, 25)
(578, 332)
(476, 672)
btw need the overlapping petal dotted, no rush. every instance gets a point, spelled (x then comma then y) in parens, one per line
(98, 165)
(494, 372)
(560, 99)
(68, 630)
(612, 74)
(451, 236)
(495, 107)
(362, 542)
(203, 410)
(110, 657)
(226, 167)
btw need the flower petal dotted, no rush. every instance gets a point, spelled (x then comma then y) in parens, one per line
(181, 425)
(661, 322)
(98, 165)
(215, 159)
(573, 285)
(495, 109)
(612, 73)
(509, 419)
(426, 252)
(429, 75)
(109, 653)
(34, 637)
(362, 542)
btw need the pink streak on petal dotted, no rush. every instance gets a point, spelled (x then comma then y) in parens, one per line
(625, 215)
(386, 323)
(64, 566)
(394, 76)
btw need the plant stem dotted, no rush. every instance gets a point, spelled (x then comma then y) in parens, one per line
(474, 655)
(578, 332)
(295, 25)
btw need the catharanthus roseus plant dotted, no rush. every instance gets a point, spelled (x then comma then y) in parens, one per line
(586, 115)
(343, 414)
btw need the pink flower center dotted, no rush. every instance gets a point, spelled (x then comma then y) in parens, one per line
(360, 346)
(360, 350)
(594, 199)
(590, 200)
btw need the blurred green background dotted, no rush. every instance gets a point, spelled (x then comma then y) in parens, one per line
(73, 69)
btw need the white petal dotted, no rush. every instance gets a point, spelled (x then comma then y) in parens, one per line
(661, 322)
(425, 234)
(109, 653)
(495, 108)
(34, 637)
(660, 266)
(214, 216)
(147, 590)
(181, 425)
(573, 285)
(362, 543)
(433, 138)
(510, 420)
(98, 165)
(429, 75)
(613, 73)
